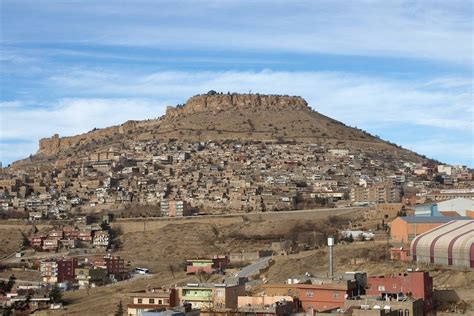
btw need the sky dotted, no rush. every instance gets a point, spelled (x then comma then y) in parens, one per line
(402, 70)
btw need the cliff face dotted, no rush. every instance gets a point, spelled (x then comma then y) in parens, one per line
(219, 102)
(55, 144)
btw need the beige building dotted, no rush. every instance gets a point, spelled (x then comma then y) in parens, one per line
(211, 296)
(378, 193)
(159, 298)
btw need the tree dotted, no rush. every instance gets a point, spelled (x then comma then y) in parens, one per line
(56, 295)
(8, 286)
(26, 242)
(120, 309)
(104, 225)
(203, 276)
(172, 269)
(350, 238)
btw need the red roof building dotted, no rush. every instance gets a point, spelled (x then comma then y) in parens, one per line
(417, 284)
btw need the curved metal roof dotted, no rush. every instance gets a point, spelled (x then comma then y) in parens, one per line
(451, 244)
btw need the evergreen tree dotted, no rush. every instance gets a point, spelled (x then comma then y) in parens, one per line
(11, 283)
(120, 309)
(350, 238)
(26, 242)
(56, 295)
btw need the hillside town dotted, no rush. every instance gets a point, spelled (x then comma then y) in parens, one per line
(423, 210)
(79, 256)
(183, 179)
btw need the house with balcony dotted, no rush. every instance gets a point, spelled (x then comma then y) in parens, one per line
(210, 296)
(101, 239)
(151, 299)
(89, 277)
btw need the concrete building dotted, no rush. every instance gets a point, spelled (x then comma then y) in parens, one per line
(101, 239)
(211, 296)
(174, 208)
(207, 265)
(267, 305)
(49, 271)
(152, 299)
(89, 277)
(417, 284)
(367, 306)
(114, 265)
(449, 244)
(58, 270)
(379, 193)
(316, 297)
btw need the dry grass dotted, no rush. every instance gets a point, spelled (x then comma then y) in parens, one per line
(10, 241)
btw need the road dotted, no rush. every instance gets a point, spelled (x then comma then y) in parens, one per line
(254, 268)
(47, 255)
(250, 214)
(23, 281)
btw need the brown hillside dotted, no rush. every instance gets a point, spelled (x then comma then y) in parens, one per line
(236, 117)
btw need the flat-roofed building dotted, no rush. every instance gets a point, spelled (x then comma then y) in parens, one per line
(404, 229)
(211, 296)
(152, 299)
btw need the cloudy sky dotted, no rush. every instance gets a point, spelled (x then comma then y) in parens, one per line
(398, 69)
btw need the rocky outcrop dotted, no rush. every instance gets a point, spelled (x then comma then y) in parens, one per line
(56, 144)
(218, 102)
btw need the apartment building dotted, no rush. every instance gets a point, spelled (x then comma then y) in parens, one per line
(58, 270)
(174, 208)
(417, 284)
(378, 193)
(316, 297)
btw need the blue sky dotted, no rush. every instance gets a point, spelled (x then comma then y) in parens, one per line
(398, 69)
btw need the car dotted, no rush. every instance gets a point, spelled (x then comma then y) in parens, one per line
(142, 271)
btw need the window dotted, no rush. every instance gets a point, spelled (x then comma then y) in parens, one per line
(407, 312)
(151, 301)
(140, 301)
(309, 294)
(160, 302)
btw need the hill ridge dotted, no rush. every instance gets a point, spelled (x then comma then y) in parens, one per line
(232, 116)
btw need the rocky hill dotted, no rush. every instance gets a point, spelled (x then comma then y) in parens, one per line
(214, 116)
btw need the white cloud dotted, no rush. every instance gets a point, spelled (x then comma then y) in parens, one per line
(73, 116)
(432, 30)
(354, 99)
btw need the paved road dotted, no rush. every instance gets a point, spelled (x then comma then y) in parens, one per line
(253, 268)
(236, 214)
(23, 281)
(48, 255)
